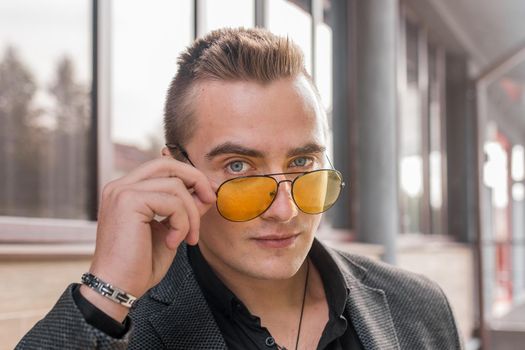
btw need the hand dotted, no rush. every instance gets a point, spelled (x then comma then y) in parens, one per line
(134, 250)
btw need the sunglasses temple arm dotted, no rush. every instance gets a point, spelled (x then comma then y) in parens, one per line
(329, 162)
(182, 151)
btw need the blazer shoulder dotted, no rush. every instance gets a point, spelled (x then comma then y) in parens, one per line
(417, 303)
(380, 275)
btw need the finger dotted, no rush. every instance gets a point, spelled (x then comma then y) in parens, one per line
(163, 255)
(176, 187)
(175, 226)
(151, 204)
(201, 206)
(179, 228)
(168, 238)
(168, 167)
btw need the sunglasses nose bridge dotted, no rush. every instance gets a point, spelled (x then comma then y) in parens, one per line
(280, 182)
(283, 206)
(278, 185)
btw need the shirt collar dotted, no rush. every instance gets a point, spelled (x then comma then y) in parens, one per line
(220, 296)
(215, 291)
(334, 283)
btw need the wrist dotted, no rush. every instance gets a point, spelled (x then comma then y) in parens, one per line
(110, 299)
(115, 310)
(108, 290)
(98, 318)
(121, 278)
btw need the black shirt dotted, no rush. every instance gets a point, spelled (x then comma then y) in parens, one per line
(242, 330)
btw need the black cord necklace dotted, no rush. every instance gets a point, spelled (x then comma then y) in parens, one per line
(302, 309)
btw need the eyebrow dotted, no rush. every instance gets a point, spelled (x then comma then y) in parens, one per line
(234, 148)
(306, 149)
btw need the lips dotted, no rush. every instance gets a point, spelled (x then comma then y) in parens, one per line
(276, 241)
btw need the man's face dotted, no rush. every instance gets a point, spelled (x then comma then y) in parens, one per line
(246, 128)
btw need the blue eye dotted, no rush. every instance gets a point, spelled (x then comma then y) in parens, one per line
(301, 162)
(236, 166)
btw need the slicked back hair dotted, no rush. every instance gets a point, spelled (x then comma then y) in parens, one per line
(227, 55)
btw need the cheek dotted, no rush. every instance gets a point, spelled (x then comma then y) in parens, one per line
(217, 232)
(310, 225)
(315, 220)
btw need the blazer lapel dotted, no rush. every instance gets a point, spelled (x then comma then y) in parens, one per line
(367, 307)
(370, 315)
(187, 321)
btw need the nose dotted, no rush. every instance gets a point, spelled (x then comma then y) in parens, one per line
(283, 208)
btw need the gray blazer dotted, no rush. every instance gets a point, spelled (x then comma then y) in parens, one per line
(390, 309)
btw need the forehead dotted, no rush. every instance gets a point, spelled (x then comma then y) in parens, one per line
(272, 117)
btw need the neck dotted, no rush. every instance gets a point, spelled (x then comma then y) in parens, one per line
(279, 303)
(265, 295)
(262, 295)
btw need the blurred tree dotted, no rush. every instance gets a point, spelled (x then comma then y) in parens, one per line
(68, 156)
(43, 168)
(72, 99)
(19, 174)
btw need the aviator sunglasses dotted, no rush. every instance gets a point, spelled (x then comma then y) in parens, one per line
(246, 197)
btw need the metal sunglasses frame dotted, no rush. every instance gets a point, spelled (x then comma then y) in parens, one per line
(271, 176)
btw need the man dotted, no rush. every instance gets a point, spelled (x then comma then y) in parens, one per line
(243, 181)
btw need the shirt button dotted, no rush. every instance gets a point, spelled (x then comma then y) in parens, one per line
(269, 341)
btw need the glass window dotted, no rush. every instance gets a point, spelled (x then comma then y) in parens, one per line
(145, 47)
(323, 57)
(323, 63)
(412, 52)
(411, 160)
(518, 168)
(306, 5)
(435, 139)
(496, 178)
(503, 193)
(286, 18)
(45, 81)
(228, 13)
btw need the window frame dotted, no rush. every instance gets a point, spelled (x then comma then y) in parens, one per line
(406, 15)
(51, 231)
(30, 230)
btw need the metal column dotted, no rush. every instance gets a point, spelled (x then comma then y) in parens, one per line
(376, 53)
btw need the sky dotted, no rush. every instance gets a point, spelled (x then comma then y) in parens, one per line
(145, 43)
(28, 25)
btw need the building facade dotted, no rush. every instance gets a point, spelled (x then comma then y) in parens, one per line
(426, 107)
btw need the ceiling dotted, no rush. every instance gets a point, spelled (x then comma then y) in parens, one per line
(488, 32)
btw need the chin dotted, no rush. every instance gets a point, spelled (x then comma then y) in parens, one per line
(274, 268)
(270, 263)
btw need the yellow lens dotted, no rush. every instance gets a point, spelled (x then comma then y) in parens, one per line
(317, 191)
(245, 198)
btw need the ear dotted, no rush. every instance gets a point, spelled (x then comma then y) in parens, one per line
(165, 152)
